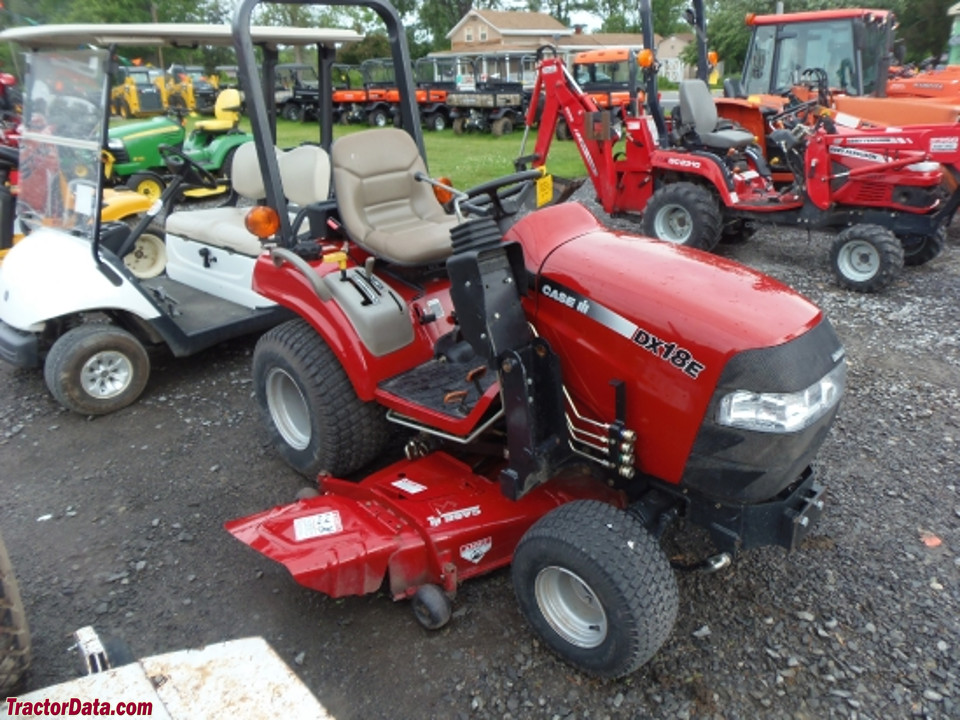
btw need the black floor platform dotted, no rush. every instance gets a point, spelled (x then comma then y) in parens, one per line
(428, 384)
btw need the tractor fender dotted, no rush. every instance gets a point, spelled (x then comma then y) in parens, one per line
(222, 145)
(287, 287)
(38, 269)
(702, 165)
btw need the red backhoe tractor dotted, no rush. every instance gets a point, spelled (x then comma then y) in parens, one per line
(566, 392)
(888, 194)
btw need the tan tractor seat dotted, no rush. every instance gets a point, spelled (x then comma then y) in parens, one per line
(224, 226)
(226, 113)
(305, 174)
(382, 206)
(698, 109)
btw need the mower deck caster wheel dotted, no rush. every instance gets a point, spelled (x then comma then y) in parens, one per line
(431, 607)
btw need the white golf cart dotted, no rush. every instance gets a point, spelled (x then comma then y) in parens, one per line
(86, 299)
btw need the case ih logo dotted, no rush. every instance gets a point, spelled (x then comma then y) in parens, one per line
(473, 552)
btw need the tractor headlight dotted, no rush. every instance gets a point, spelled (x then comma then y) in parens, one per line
(114, 145)
(783, 412)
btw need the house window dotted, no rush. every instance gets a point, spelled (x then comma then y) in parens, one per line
(468, 34)
(483, 34)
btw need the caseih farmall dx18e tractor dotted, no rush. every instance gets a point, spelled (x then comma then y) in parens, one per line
(888, 194)
(568, 392)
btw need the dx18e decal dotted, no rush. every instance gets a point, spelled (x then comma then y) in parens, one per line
(667, 350)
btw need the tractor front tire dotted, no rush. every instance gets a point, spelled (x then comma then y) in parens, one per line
(685, 214)
(919, 249)
(147, 183)
(866, 258)
(96, 369)
(315, 419)
(14, 633)
(596, 587)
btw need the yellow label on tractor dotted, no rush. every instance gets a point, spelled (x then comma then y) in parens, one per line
(544, 190)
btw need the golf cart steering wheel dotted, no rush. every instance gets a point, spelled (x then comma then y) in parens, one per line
(180, 164)
(493, 193)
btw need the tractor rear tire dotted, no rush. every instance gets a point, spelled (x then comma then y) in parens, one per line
(685, 214)
(14, 632)
(596, 587)
(919, 250)
(96, 369)
(315, 419)
(866, 258)
(459, 126)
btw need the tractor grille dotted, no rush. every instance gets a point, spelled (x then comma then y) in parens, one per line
(150, 102)
(120, 155)
(871, 193)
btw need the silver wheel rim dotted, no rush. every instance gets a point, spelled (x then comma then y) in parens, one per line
(571, 607)
(288, 409)
(858, 260)
(106, 374)
(673, 224)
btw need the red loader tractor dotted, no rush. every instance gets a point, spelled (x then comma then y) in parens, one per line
(889, 194)
(566, 393)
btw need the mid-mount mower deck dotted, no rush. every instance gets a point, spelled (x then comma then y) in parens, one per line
(566, 392)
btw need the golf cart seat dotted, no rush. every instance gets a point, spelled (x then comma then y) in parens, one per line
(699, 115)
(226, 113)
(224, 226)
(382, 206)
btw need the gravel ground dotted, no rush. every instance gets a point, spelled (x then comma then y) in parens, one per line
(117, 522)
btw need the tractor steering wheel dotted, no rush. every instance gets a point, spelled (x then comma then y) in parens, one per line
(497, 191)
(180, 164)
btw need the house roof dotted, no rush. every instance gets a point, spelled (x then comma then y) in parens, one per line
(592, 41)
(515, 23)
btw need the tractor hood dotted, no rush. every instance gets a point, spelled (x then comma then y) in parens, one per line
(153, 127)
(680, 328)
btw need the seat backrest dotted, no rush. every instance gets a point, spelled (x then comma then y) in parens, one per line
(305, 174)
(245, 173)
(227, 106)
(697, 106)
(382, 205)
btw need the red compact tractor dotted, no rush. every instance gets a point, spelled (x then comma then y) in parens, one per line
(566, 394)
(889, 194)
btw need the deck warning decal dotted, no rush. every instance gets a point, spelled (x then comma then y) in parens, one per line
(313, 526)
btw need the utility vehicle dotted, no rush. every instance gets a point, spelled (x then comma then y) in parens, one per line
(296, 95)
(138, 91)
(566, 393)
(68, 302)
(190, 89)
(495, 101)
(888, 194)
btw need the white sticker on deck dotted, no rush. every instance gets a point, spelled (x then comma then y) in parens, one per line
(408, 485)
(313, 526)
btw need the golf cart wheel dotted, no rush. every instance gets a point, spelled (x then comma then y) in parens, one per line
(921, 249)
(431, 607)
(14, 633)
(149, 184)
(436, 122)
(292, 112)
(378, 118)
(596, 587)
(683, 213)
(96, 369)
(459, 126)
(148, 257)
(866, 258)
(314, 416)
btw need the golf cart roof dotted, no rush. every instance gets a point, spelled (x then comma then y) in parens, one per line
(169, 34)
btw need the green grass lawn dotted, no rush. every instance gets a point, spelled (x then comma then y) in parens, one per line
(466, 159)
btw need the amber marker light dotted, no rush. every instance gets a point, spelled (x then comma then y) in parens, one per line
(262, 221)
(645, 58)
(712, 57)
(750, 19)
(442, 194)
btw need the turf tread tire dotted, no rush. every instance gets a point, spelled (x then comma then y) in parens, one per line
(699, 203)
(621, 561)
(14, 632)
(346, 432)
